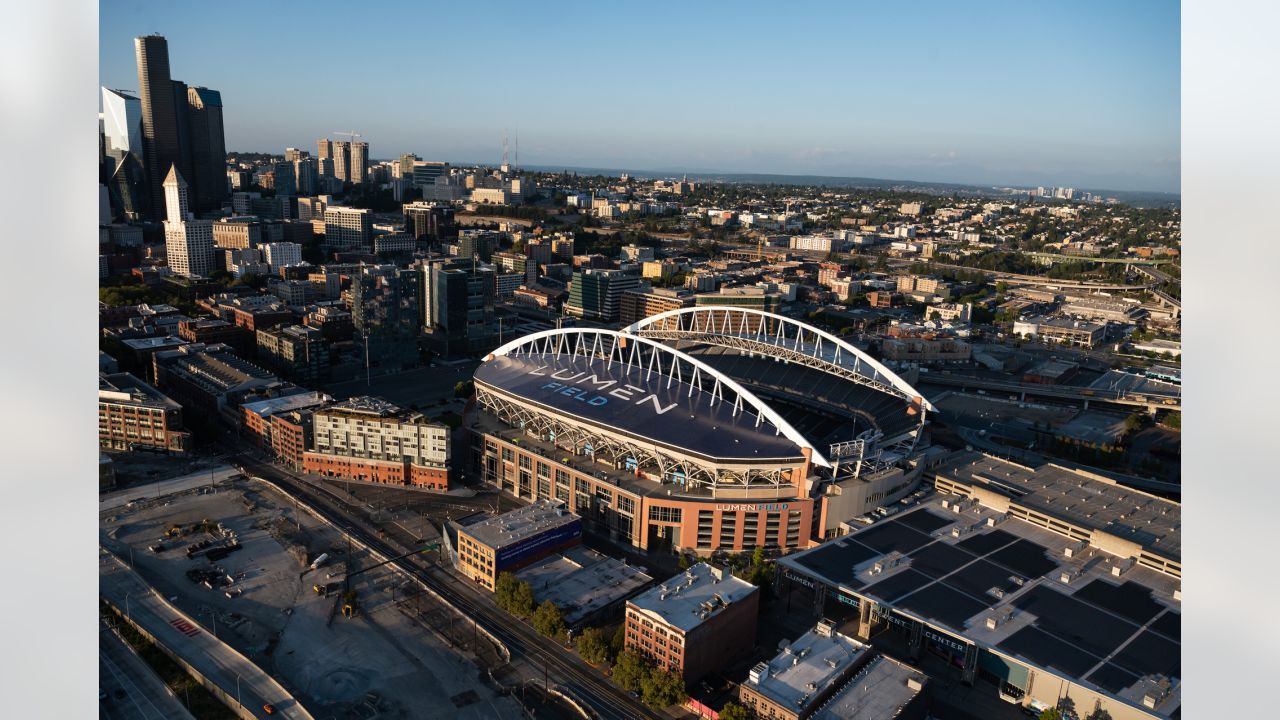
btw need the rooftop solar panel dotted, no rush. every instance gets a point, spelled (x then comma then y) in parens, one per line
(937, 559)
(1149, 654)
(1024, 557)
(1045, 650)
(898, 585)
(889, 536)
(986, 542)
(1169, 625)
(924, 520)
(1129, 600)
(943, 603)
(979, 577)
(1074, 621)
(837, 559)
(1111, 678)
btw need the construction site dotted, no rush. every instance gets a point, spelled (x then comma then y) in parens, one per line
(345, 634)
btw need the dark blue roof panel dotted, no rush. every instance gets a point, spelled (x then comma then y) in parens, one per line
(640, 404)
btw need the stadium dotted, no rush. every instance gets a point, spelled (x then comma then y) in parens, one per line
(699, 429)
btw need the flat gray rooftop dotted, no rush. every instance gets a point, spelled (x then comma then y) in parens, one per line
(524, 522)
(805, 667)
(879, 690)
(581, 581)
(690, 599)
(1084, 499)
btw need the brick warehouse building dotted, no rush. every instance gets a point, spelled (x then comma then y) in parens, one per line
(694, 623)
(513, 540)
(676, 445)
(372, 440)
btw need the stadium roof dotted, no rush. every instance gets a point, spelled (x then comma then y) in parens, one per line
(623, 399)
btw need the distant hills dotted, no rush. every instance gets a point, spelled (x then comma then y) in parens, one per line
(1129, 197)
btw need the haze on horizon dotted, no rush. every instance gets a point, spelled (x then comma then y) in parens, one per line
(992, 93)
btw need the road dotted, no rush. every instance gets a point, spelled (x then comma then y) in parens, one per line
(151, 491)
(216, 660)
(134, 691)
(1066, 392)
(538, 654)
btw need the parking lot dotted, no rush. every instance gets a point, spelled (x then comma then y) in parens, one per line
(239, 562)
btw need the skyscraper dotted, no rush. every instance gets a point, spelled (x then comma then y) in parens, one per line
(324, 148)
(124, 171)
(188, 242)
(457, 305)
(306, 176)
(208, 147)
(122, 122)
(358, 170)
(341, 160)
(161, 147)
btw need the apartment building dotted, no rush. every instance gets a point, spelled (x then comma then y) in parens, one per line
(373, 440)
(133, 415)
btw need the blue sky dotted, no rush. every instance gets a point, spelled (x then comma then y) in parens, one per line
(1083, 93)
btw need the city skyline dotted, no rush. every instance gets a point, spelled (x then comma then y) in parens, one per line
(999, 95)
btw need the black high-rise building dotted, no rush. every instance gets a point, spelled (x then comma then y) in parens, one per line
(181, 126)
(162, 148)
(208, 147)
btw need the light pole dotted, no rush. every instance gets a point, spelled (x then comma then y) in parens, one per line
(238, 692)
(126, 606)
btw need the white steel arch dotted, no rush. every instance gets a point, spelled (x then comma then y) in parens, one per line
(791, 338)
(626, 348)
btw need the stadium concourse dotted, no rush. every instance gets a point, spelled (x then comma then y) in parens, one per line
(699, 430)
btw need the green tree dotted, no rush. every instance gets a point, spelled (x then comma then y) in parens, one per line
(662, 689)
(464, 388)
(629, 671)
(1051, 714)
(513, 595)
(547, 619)
(618, 641)
(592, 646)
(733, 711)
(757, 556)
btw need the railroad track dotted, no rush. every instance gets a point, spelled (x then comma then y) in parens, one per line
(607, 700)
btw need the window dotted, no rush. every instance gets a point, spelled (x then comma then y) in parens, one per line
(664, 514)
(626, 505)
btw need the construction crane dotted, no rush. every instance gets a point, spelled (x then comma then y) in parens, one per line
(353, 134)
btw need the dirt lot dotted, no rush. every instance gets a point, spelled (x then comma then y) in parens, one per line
(380, 664)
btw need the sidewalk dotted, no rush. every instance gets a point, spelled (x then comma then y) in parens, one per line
(239, 679)
(150, 491)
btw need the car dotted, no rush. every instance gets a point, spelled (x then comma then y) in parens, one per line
(102, 695)
(269, 709)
